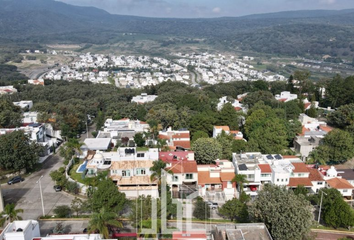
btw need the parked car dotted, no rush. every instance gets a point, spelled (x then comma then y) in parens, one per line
(57, 188)
(212, 205)
(15, 180)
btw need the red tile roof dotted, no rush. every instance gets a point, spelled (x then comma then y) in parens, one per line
(225, 128)
(300, 168)
(189, 235)
(169, 156)
(161, 136)
(307, 105)
(265, 168)
(289, 156)
(294, 182)
(326, 128)
(227, 176)
(339, 183)
(315, 175)
(204, 178)
(184, 144)
(184, 167)
(283, 99)
(238, 108)
(181, 135)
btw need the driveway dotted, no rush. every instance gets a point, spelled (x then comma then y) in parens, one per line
(26, 195)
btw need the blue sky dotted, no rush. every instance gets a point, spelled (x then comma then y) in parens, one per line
(208, 8)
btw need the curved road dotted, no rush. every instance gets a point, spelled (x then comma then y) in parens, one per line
(26, 195)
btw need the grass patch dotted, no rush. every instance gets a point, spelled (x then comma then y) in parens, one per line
(78, 176)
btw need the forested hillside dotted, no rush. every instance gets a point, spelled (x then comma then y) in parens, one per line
(290, 33)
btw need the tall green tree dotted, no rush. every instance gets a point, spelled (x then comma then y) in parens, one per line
(207, 150)
(10, 115)
(225, 140)
(337, 147)
(234, 209)
(10, 214)
(286, 215)
(107, 195)
(18, 152)
(102, 221)
(139, 139)
(228, 117)
(201, 209)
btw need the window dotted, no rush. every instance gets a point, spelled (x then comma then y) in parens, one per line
(126, 173)
(265, 175)
(140, 171)
(345, 190)
(286, 179)
(282, 180)
(277, 179)
(319, 183)
(175, 178)
(140, 155)
(189, 176)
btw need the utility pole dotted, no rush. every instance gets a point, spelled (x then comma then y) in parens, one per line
(319, 212)
(40, 190)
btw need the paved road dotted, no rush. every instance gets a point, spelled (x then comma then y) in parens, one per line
(26, 195)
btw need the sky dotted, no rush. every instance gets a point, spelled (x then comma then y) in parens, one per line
(208, 8)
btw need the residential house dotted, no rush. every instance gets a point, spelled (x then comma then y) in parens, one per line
(184, 178)
(217, 130)
(285, 96)
(316, 179)
(143, 98)
(102, 144)
(21, 230)
(25, 105)
(272, 168)
(29, 118)
(215, 181)
(36, 82)
(347, 174)
(342, 185)
(176, 139)
(118, 129)
(7, 90)
(306, 144)
(129, 169)
(235, 103)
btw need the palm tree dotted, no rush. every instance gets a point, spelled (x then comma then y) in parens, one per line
(10, 214)
(102, 221)
(156, 170)
(240, 179)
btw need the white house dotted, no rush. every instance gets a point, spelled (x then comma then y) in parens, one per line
(285, 96)
(143, 98)
(21, 230)
(217, 130)
(27, 105)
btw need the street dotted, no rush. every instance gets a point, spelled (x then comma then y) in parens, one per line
(26, 195)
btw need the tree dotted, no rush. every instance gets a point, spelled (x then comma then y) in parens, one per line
(107, 195)
(10, 214)
(342, 117)
(62, 211)
(228, 117)
(199, 134)
(286, 215)
(206, 150)
(270, 136)
(300, 189)
(99, 120)
(17, 152)
(77, 205)
(102, 221)
(10, 115)
(339, 214)
(312, 112)
(203, 122)
(156, 169)
(240, 179)
(234, 210)
(139, 139)
(225, 140)
(59, 176)
(201, 209)
(252, 98)
(336, 148)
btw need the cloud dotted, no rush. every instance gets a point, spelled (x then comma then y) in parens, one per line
(216, 10)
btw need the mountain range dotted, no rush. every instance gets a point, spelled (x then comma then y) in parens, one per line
(294, 32)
